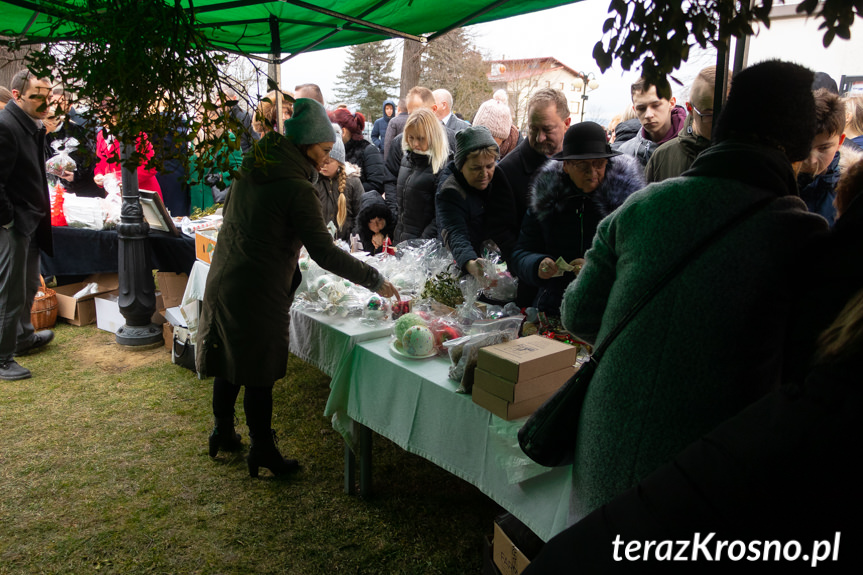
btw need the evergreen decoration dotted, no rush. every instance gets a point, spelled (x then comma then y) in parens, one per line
(144, 67)
(366, 79)
(657, 36)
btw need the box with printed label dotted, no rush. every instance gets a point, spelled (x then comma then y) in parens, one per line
(526, 358)
(205, 244)
(82, 310)
(523, 390)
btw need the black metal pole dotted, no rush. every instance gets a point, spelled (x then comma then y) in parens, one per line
(137, 290)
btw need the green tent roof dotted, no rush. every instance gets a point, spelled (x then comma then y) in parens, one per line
(286, 27)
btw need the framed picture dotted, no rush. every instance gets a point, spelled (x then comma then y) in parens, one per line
(155, 213)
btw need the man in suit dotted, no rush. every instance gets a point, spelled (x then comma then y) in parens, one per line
(443, 111)
(25, 218)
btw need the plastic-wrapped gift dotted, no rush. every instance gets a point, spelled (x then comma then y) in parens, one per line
(61, 161)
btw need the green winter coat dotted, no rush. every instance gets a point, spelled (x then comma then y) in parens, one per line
(271, 211)
(676, 155)
(710, 342)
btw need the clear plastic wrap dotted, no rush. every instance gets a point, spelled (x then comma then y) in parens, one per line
(464, 351)
(61, 161)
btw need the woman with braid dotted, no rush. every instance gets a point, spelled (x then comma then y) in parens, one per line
(339, 189)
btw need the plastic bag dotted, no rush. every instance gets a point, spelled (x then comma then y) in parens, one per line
(61, 161)
(463, 354)
(58, 218)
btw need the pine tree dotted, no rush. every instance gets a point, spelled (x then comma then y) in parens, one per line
(366, 80)
(452, 62)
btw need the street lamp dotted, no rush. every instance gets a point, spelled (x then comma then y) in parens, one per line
(587, 82)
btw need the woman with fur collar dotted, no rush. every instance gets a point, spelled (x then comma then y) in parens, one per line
(571, 193)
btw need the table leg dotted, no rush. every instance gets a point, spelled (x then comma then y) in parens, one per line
(350, 471)
(365, 435)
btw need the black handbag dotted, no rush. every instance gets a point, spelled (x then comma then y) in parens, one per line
(548, 436)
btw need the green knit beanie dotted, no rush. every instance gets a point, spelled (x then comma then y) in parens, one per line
(470, 139)
(309, 124)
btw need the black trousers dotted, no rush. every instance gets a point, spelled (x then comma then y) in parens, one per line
(257, 404)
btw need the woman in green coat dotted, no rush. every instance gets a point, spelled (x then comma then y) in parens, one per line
(271, 212)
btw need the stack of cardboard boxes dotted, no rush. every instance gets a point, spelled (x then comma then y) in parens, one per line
(513, 379)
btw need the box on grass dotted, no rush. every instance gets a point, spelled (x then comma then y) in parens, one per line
(205, 243)
(523, 390)
(172, 285)
(505, 409)
(526, 358)
(108, 316)
(82, 311)
(515, 546)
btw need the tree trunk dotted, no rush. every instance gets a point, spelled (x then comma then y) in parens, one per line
(11, 63)
(411, 58)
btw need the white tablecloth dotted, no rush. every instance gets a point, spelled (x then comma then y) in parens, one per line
(414, 404)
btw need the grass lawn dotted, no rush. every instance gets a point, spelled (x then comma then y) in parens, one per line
(104, 469)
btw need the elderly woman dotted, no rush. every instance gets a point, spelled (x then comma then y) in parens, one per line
(270, 213)
(412, 200)
(475, 203)
(571, 193)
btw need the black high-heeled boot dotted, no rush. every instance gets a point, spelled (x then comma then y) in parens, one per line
(224, 438)
(264, 453)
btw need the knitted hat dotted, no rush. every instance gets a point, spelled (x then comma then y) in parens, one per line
(770, 103)
(309, 124)
(495, 116)
(470, 139)
(338, 151)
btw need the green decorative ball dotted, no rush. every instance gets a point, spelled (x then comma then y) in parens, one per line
(406, 321)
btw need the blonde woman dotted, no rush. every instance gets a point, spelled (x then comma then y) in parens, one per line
(425, 153)
(339, 189)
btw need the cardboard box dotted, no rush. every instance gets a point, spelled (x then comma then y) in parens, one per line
(507, 557)
(523, 390)
(108, 316)
(526, 358)
(505, 409)
(168, 334)
(82, 311)
(172, 286)
(205, 244)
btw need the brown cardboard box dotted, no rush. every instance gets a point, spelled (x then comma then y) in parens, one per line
(83, 310)
(507, 557)
(503, 408)
(526, 358)
(205, 243)
(523, 390)
(168, 334)
(172, 286)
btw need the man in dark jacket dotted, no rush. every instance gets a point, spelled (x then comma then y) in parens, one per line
(660, 119)
(379, 130)
(395, 126)
(25, 218)
(675, 156)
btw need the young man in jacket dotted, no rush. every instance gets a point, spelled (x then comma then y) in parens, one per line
(660, 119)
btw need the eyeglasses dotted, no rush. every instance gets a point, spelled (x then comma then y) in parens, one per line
(588, 166)
(700, 114)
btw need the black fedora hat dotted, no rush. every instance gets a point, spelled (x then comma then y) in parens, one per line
(585, 141)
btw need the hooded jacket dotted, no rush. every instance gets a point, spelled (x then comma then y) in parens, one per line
(379, 129)
(820, 191)
(707, 344)
(562, 221)
(369, 160)
(676, 155)
(271, 212)
(372, 206)
(643, 147)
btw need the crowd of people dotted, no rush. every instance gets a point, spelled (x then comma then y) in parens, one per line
(731, 392)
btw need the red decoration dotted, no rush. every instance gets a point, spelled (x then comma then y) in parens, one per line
(58, 218)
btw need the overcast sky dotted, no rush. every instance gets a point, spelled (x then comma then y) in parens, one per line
(569, 33)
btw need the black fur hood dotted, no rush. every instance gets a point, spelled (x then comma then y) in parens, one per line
(623, 176)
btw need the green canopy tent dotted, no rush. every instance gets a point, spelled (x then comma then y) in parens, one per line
(279, 29)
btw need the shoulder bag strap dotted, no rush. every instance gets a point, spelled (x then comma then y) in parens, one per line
(676, 269)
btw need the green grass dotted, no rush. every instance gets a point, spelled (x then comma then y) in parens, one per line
(104, 469)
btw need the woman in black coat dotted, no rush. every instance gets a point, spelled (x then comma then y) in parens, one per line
(475, 203)
(359, 151)
(569, 196)
(412, 199)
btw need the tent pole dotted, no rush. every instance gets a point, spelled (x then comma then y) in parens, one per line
(274, 70)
